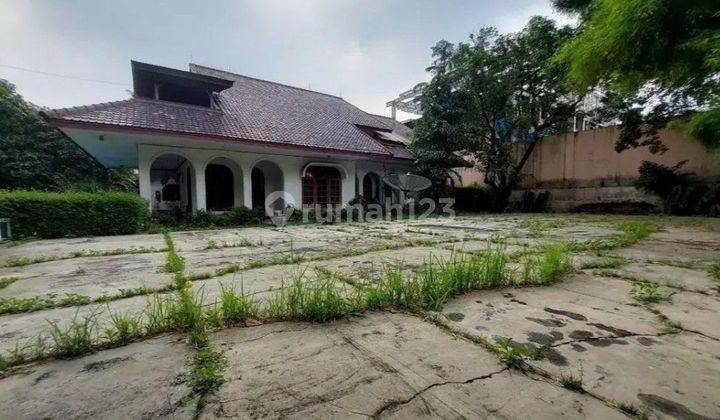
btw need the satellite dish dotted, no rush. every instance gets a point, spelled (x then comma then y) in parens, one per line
(407, 182)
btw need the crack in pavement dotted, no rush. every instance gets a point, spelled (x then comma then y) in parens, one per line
(398, 403)
(608, 337)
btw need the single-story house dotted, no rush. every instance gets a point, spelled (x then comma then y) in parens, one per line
(207, 139)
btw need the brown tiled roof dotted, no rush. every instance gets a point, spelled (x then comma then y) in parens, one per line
(251, 110)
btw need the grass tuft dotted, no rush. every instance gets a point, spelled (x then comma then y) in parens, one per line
(124, 329)
(237, 308)
(7, 281)
(76, 339)
(649, 292)
(571, 382)
(715, 273)
(548, 268)
(513, 354)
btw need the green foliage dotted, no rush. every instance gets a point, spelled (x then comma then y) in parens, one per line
(485, 96)
(645, 291)
(35, 155)
(237, 308)
(683, 193)
(659, 59)
(474, 199)
(76, 339)
(435, 283)
(571, 382)
(207, 371)
(55, 215)
(124, 329)
(318, 301)
(238, 216)
(548, 268)
(514, 354)
(7, 281)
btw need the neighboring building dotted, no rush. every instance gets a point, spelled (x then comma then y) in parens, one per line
(210, 139)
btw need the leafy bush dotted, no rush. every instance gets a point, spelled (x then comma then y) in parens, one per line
(474, 199)
(660, 179)
(683, 193)
(238, 216)
(55, 215)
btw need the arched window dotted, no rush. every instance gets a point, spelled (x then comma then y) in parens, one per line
(322, 185)
(219, 187)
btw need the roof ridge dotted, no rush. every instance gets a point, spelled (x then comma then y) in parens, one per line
(92, 107)
(267, 81)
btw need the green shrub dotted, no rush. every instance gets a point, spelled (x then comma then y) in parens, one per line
(684, 194)
(474, 199)
(54, 215)
(238, 216)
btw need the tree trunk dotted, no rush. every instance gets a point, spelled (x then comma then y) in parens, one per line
(503, 191)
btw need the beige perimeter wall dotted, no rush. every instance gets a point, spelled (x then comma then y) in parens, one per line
(583, 167)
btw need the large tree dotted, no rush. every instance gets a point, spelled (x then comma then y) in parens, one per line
(494, 97)
(34, 155)
(659, 61)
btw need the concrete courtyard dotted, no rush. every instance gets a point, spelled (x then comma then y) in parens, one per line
(632, 331)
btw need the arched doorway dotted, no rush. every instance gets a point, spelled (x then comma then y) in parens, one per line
(371, 187)
(321, 185)
(172, 184)
(267, 177)
(223, 184)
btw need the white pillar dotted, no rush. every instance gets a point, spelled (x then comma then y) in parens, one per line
(292, 183)
(144, 179)
(348, 183)
(247, 188)
(200, 195)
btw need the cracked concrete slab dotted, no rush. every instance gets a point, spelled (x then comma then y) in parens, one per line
(87, 276)
(141, 380)
(694, 311)
(589, 327)
(376, 365)
(581, 307)
(66, 246)
(671, 376)
(23, 329)
(668, 252)
(680, 277)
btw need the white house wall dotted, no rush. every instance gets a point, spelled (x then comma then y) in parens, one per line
(140, 150)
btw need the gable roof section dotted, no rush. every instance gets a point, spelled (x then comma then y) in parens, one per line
(251, 110)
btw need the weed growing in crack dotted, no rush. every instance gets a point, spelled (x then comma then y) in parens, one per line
(18, 261)
(213, 244)
(572, 382)
(237, 308)
(537, 226)
(318, 301)
(649, 292)
(207, 371)
(547, 268)
(124, 329)
(632, 409)
(7, 281)
(513, 354)
(76, 339)
(158, 314)
(715, 273)
(174, 263)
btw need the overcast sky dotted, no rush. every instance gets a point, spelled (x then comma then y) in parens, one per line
(365, 51)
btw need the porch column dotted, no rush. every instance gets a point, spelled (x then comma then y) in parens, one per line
(292, 183)
(348, 184)
(144, 180)
(247, 188)
(200, 194)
